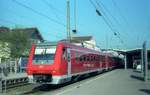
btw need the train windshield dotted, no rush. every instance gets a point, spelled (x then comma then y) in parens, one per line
(44, 55)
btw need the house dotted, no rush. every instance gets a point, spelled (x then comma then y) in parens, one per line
(4, 29)
(34, 37)
(34, 34)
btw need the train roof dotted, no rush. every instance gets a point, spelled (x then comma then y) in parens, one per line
(47, 44)
(68, 44)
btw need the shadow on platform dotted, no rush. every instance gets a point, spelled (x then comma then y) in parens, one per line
(41, 88)
(145, 91)
(136, 71)
(137, 77)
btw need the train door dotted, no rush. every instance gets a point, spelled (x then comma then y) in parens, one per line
(106, 62)
(69, 62)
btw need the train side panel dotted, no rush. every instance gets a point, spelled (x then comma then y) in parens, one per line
(69, 60)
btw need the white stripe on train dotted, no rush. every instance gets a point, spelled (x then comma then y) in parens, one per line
(65, 78)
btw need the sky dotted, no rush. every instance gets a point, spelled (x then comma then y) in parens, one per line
(128, 19)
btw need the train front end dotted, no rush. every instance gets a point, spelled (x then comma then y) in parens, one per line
(41, 67)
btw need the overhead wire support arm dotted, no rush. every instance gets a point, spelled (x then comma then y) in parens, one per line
(75, 17)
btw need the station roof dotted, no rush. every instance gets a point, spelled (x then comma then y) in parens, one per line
(136, 50)
(82, 38)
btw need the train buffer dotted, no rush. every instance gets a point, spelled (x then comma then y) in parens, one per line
(12, 80)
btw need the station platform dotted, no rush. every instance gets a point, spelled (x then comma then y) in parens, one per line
(116, 82)
(14, 76)
(11, 80)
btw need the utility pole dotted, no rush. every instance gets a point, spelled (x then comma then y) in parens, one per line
(125, 61)
(145, 61)
(142, 62)
(68, 21)
(75, 17)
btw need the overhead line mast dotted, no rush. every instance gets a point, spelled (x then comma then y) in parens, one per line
(68, 21)
(75, 17)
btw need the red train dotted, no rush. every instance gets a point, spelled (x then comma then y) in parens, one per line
(56, 63)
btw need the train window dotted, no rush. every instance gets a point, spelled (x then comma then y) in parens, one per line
(80, 58)
(97, 59)
(68, 55)
(43, 59)
(101, 58)
(88, 58)
(64, 54)
(77, 59)
(84, 58)
(77, 56)
(91, 58)
(44, 55)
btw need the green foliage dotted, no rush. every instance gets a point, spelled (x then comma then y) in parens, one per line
(4, 50)
(4, 37)
(18, 42)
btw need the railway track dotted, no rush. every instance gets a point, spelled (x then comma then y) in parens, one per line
(37, 89)
(10, 83)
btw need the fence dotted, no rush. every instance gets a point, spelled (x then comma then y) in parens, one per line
(8, 70)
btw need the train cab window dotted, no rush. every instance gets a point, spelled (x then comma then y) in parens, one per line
(44, 55)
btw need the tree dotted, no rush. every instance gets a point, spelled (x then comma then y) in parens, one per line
(4, 51)
(19, 43)
(16, 41)
(4, 36)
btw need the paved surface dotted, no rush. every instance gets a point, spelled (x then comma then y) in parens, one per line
(116, 82)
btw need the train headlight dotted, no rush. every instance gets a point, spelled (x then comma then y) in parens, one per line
(29, 72)
(55, 70)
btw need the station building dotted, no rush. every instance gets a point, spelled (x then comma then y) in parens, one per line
(134, 57)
